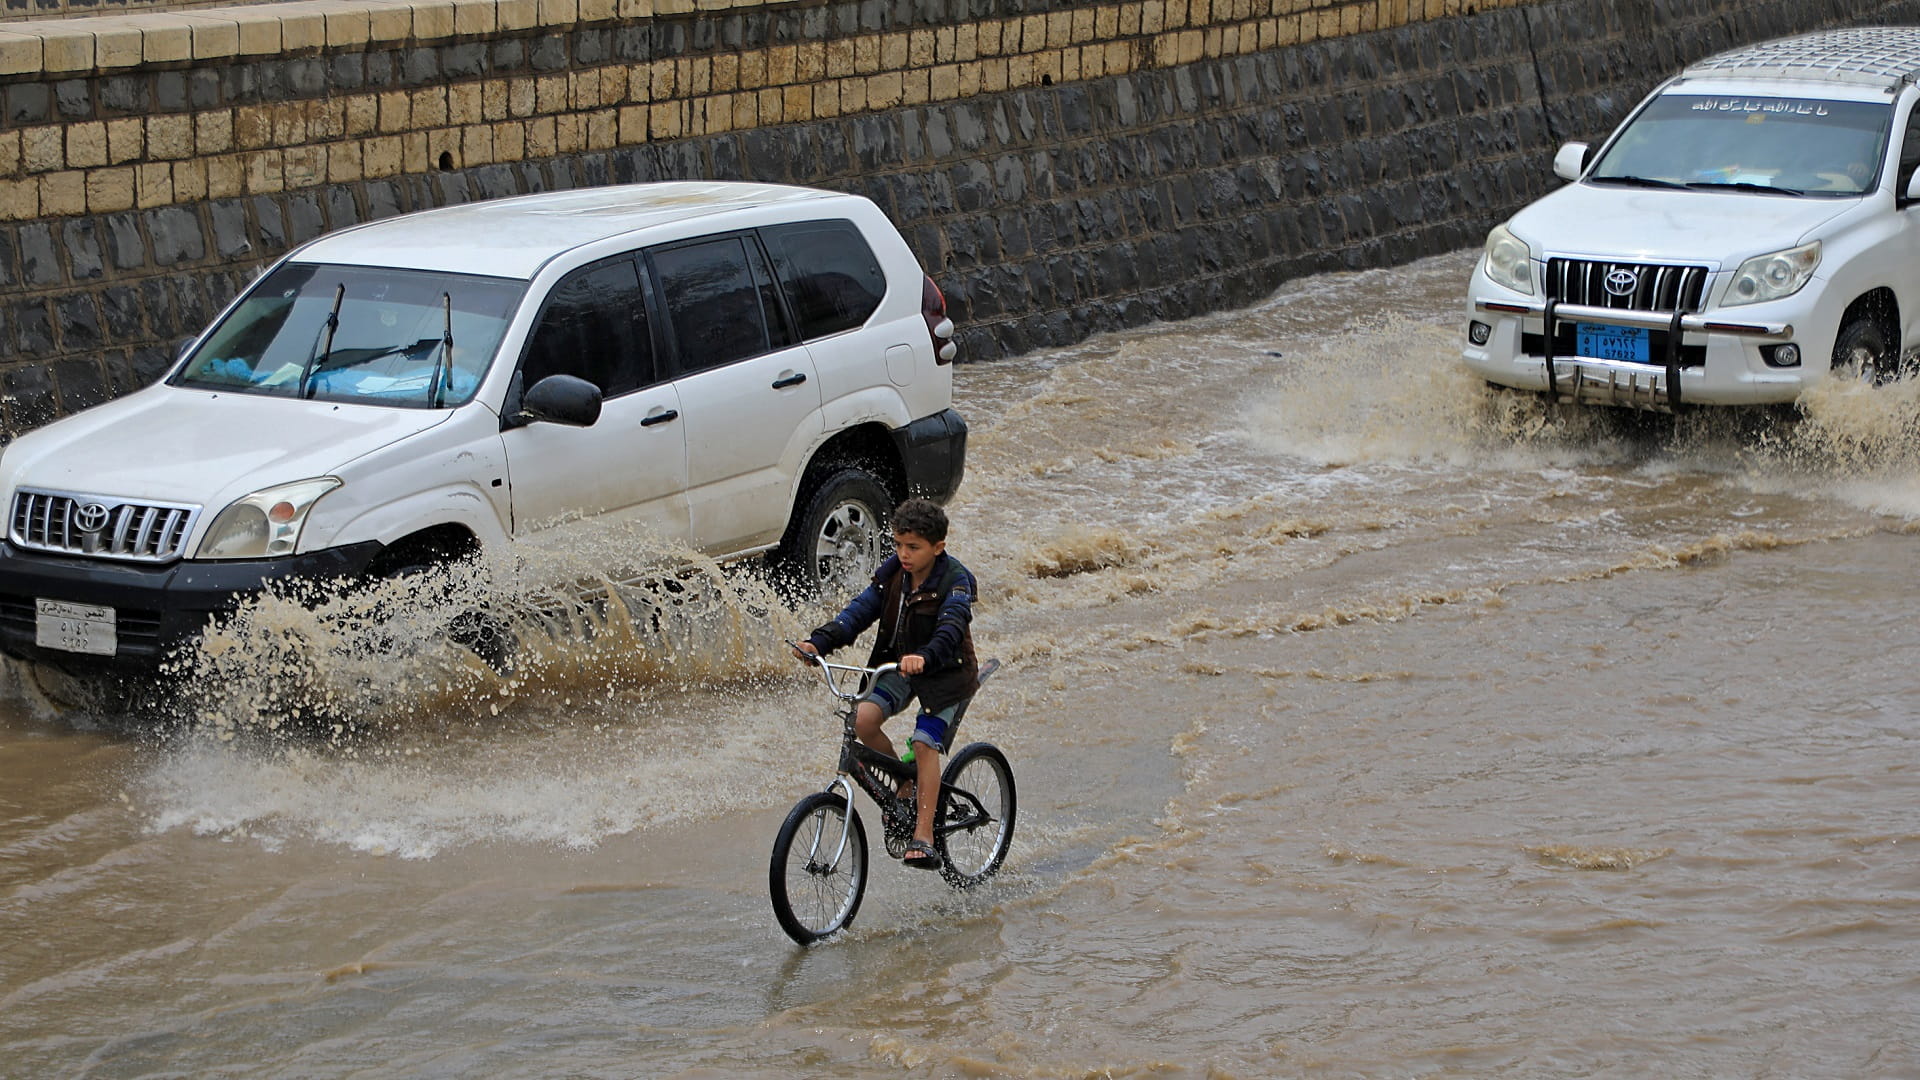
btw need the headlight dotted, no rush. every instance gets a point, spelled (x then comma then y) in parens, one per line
(1509, 262)
(1770, 277)
(265, 523)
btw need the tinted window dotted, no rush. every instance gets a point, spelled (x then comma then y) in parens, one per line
(595, 326)
(714, 302)
(831, 278)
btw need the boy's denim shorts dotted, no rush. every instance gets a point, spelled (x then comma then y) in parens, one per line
(892, 693)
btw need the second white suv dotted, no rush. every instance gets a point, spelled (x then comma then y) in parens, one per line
(745, 368)
(1752, 226)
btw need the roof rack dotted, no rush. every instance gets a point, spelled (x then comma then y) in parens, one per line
(1874, 56)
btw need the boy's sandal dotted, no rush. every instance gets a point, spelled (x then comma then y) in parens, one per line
(921, 856)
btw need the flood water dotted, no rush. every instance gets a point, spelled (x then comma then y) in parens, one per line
(1367, 723)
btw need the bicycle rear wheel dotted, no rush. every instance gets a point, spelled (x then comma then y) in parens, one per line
(819, 869)
(977, 808)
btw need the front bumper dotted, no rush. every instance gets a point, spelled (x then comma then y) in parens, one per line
(933, 451)
(157, 609)
(1669, 382)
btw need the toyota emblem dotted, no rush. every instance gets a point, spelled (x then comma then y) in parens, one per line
(1622, 282)
(91, 517)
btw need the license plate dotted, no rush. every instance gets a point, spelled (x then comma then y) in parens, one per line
(80, 628)
(1612, 342)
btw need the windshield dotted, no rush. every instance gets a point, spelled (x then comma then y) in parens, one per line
(1797, 146)
(387, 345)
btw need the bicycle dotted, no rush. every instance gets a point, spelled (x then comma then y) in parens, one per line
(818, 873)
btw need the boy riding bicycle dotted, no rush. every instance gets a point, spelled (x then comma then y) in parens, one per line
(922, 599)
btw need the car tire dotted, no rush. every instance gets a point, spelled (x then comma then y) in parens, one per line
(1862, 347)
(838, 537)
(485, 635)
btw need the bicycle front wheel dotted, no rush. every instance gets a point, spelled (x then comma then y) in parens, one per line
(819, 868)
(977, 807)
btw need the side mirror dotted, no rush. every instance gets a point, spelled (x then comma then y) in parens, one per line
(1571, 161)
(1912, 193)
(561, 399)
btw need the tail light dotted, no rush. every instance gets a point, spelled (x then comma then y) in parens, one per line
(933, 307)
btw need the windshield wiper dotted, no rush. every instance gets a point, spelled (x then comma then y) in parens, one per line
(1638, 181)
(319, 359)
(1744, 185)
(435, 391)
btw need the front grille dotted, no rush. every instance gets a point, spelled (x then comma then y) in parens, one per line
(102, 527)
(1654, 287)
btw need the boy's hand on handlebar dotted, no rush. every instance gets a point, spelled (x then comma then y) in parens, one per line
(805, 652)
(913, 664)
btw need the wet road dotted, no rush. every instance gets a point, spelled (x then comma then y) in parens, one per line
(1367, 723)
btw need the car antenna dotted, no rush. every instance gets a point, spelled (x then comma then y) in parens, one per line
(437, 395)
(320, 359)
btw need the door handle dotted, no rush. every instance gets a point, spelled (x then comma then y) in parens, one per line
(659, 418)
(794, 379)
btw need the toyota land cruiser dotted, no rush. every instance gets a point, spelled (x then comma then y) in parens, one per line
(1752, 226)
(746, 368)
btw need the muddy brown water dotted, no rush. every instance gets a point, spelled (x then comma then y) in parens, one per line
(1366, 723)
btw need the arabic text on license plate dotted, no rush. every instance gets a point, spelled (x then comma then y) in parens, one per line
(1612, 342)
(81, 628)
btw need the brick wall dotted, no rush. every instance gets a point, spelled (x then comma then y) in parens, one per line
(1061, 169)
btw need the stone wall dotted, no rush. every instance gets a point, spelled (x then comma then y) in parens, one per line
(1061, 169)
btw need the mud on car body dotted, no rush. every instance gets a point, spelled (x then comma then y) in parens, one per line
(749, 369)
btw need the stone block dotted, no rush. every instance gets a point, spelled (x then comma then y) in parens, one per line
(303, 29)
(390, 22)
(303, 166)
(559, 13)
(514, 15)
(188, 178)
(433, 20)
(213, 37)
(383, 156)
(117, 42)
(344, 163)
(265, 172)
(170, 136)
(21, 54)
(597, 11)
(86, 145)
(474, 17)
(64, 47)
(165, 39)
(347, 28)
(19, 199)
(258, 30)
(63, 193)
(109, 190)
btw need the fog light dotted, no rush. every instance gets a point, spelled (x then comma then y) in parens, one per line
(1787, 355)
(1479, 332)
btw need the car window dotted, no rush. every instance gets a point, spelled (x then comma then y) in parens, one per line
(594, 327)
(721, 310)
(1909, 151)
(830, 276)
(369, 335)
(1812, 146)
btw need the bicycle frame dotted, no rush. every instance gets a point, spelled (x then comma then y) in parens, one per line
(859, 762)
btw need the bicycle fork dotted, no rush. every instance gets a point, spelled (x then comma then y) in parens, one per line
(814, 865)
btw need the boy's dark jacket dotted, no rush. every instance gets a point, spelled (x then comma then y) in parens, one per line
(934, 623)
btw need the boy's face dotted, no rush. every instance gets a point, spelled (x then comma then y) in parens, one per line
(916, 552)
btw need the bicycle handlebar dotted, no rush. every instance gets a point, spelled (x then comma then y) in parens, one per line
(829, 671)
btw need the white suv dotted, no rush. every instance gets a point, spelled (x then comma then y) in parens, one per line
(746, 368)
(1754, 224)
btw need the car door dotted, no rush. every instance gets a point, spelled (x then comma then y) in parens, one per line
(749, 396)
(628, 470)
